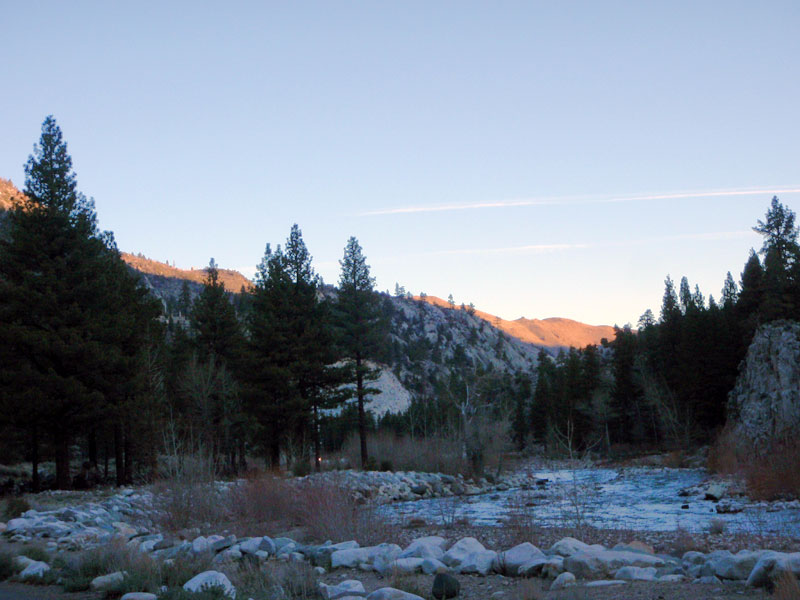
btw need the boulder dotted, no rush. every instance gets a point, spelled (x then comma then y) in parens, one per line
(407, 565)
(139, 596)
(599, 564)
(200, 545)
(107, 583)
(481, 562)
(221, 543)
(738, 566)
(431, 566)
(352, 557)
(708, 580)
(510, 561)
(210, 579)
(771, 566)
(388, 593)
(445, 586)
(250, 546)
(569, 546)
(604, 583)
(459, 551)
(34, 569)
(351, 588)
(425, 547)
(566, 579)
(267, 545)
(636, 574)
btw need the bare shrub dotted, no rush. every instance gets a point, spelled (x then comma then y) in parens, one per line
(520, 524)
(190, 496)
(725, 455)
(262, 499)
(282, 581)
(683, 541)
(329, 512)
(447, 511)
(716, 526)
(402, 453)
(786, 587)
(776, 475)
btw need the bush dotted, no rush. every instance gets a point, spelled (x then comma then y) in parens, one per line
(787, 587)
(178, 593)
(15, 507)
(6, 565)
(262, 499)
(329, 512)
(716, 526)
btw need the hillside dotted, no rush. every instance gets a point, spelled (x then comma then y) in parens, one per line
(7, 191)
(233, 280)
(551, 333)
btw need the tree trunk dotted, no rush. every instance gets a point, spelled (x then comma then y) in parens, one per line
(93, 447)
(317, 449)
(35, 483)
(275, 455)
(118, 456)
(61, 440)
(362, 418)
(128, 473)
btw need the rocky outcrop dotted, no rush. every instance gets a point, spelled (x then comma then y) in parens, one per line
(764, 406)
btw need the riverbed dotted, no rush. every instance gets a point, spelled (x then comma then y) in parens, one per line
(641, 498)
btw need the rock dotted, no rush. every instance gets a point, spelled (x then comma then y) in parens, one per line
(282, 542)
(604, 583)
(20, 562)
(222, 543)
(352, 557)
(459, 551)
(388, 593)
(431, 566)
(210, 579)
(510, 561)
(267, 545)
(636, 574)
(765, 402)
(200, 545)
(407, 565)
(738, 566)
(771, 565)
(139, 596)
(566, 579)
(671, 578)
(569, 546)
(708, 580)
(425, 547)
(351, 588)
(3, 527)
(603, 563)
(635, 546)
(165, 543)
(107, 583)
(716, 491)
(445, 586)
(250, 546)
(481, 562)
(34, 569)
(693, 558)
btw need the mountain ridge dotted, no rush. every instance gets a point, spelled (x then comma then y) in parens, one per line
(550, 332)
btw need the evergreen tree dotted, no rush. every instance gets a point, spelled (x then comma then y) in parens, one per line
(71, 316)
(359, 320)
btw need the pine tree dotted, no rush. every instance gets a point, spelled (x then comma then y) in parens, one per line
(360, 327)
(71, 316)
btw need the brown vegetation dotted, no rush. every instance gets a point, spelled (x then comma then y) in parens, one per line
(769, 477)
(233, 280)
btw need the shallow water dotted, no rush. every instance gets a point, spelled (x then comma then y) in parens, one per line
(644, 499)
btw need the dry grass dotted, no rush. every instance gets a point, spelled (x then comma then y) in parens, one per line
(716, 526)
(520, 525)
(530, 589)
(262, 499)
(786, 587)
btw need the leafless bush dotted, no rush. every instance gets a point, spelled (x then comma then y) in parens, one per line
(190, 497)
(329, 512)
(716, 526)
(520, 525)
(447, 511)
(262, 499)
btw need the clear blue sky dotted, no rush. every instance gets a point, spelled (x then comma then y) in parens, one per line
(207, 129)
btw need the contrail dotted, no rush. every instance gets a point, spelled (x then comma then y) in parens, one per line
(547, 248)
(566, 200)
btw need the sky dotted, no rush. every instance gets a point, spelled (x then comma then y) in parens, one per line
(539, 159)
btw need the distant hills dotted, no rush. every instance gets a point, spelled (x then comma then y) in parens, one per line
(233, 280)
(166, 282)
(551, 333)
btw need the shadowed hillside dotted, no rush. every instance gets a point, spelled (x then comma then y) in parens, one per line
(551, 332)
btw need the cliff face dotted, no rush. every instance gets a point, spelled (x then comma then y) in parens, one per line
(764, 406)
